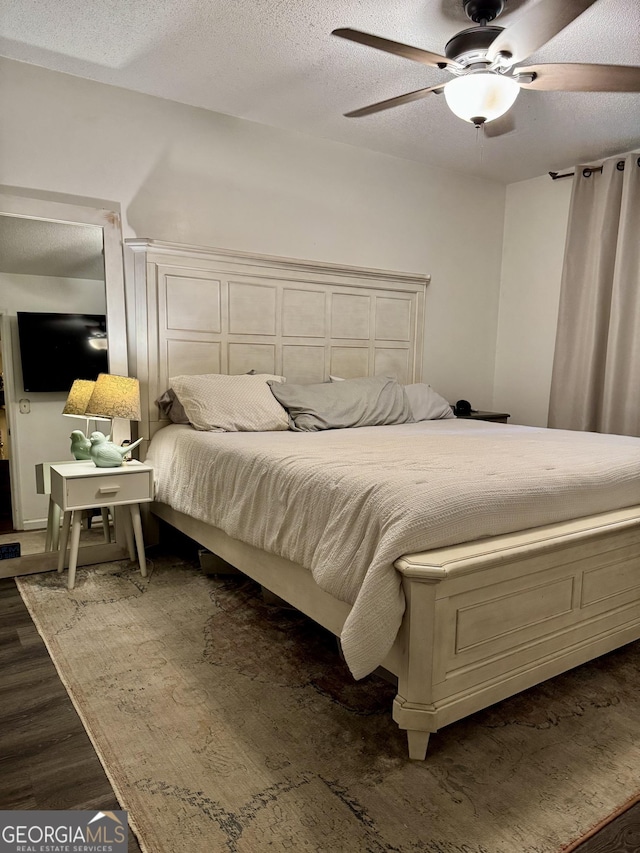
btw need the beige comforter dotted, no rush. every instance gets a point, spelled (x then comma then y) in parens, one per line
(347, 503)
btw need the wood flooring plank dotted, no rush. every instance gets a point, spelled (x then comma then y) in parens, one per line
(622, 835)
(29, 637)
(13, 615)
(66, 777)
(18, 797)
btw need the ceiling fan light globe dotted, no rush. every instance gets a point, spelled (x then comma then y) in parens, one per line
(483, 95)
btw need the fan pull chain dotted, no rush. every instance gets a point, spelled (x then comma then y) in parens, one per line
(480, 137)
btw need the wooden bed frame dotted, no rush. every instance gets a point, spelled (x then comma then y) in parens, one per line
(484, 620)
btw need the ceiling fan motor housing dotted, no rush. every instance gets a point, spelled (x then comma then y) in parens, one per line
(483, 11)
(471, 43)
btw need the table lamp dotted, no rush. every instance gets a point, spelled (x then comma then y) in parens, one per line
(76, 407)
(114, 397)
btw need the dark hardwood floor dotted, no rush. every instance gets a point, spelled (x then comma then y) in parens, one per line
(47, 760)
(6, 521)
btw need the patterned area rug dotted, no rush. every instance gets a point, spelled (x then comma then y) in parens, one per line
(228, 724)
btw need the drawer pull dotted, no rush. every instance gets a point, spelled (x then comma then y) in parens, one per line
(108, 490)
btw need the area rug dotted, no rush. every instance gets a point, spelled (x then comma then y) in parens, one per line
(230, 725)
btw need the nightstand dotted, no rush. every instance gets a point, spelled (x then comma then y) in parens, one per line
(43, 487)
(84, 486)
(496, 417)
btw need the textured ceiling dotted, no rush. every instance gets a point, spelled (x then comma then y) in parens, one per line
(275, 62)
(38, 247)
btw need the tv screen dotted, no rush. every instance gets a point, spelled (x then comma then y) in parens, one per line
(55, 349)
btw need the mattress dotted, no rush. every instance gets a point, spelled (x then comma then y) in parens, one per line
(346, 504)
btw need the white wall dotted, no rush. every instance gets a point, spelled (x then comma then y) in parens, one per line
(191, 176)
(42, 433)
(535, 227)
(187, 175)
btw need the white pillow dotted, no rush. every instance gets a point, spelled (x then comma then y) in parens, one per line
(244, 403)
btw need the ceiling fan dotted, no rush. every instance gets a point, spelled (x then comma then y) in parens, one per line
(484, 61)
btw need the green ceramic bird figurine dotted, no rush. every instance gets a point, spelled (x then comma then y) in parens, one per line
(80, 445)
(106, 454)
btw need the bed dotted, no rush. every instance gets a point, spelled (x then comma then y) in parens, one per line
(525, 573)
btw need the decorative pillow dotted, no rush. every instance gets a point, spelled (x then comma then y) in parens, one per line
(244, 403)
(336, 378)
(170, 407)
(370, 401)
(426, 404)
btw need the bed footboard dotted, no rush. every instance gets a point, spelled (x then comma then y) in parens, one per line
(492, 618)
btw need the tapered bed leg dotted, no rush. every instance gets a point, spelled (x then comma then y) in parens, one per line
(418, 743)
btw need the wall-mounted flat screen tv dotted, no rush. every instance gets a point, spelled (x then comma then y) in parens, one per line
(55, 349)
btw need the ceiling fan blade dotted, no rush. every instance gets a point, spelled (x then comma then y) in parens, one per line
(394, 102)
(499, 126)
(579, 77)
(397, 48)
(536, 27)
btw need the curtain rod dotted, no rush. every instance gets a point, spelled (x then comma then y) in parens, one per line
(555, 176)
(587, 171)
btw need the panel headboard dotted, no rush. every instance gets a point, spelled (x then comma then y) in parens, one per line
(200, 310)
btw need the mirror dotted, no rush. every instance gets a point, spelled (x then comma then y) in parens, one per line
(61, 258)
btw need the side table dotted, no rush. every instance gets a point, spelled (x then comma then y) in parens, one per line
(496, 417)
(84, 486)
(43, 487)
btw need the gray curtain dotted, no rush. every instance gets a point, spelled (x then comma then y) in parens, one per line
(595, 383)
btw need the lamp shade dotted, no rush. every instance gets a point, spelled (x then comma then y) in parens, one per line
(79, 396)
(115, 397)
(481, 96)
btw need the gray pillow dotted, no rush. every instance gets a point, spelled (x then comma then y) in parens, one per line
(170, 407)
(426, 404)
(370, 401)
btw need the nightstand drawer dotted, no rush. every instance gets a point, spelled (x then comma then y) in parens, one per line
(104, 490)
(121, 486)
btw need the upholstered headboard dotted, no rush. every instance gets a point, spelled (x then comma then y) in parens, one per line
(201, 310)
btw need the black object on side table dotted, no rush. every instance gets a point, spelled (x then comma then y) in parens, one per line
(496, 417)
